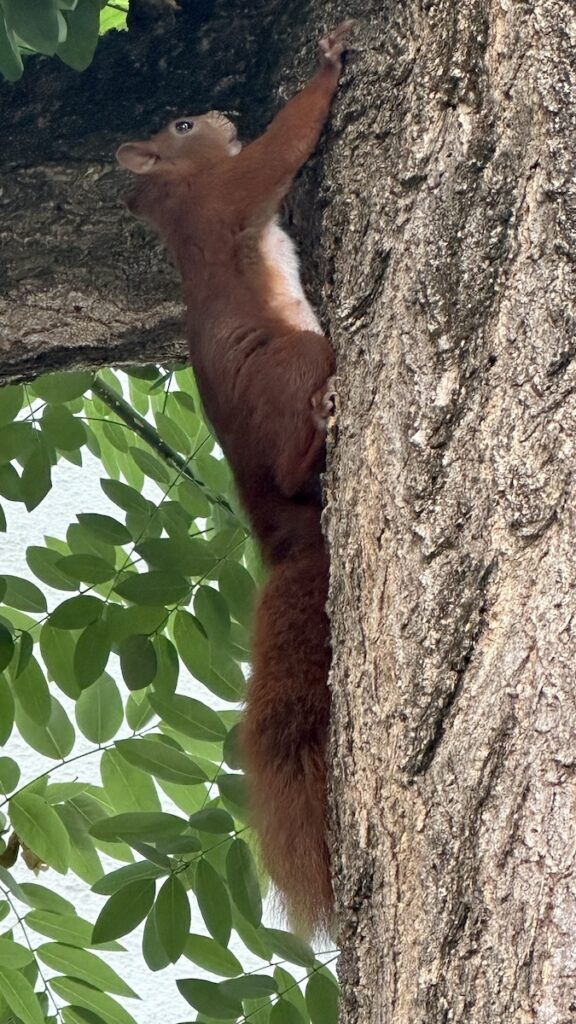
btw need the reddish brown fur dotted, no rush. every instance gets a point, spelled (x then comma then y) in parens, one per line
(285, 732)
(262, 380)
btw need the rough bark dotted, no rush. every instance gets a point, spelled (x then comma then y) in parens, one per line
(451, 516)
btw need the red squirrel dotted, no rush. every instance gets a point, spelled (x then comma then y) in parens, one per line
(264, 370)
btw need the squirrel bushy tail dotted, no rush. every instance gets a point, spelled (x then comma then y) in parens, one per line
(285, 733)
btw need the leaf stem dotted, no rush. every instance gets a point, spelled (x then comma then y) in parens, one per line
(150, 435)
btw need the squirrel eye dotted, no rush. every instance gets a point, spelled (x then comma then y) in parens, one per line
(182, 127)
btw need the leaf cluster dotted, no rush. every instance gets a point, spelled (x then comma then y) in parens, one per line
(124, 649)
(68, 29)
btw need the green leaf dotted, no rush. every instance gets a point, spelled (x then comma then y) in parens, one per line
(62, 429)
(91, 654)
(17, 440)
(123, 622)
(11, 398)
(36, 479)
(124, 910)
(61, 792)
(172, 433)
(55, 739)
(137, 661)
(257, 1011)
(57, 647)
(175, 520)
(128, 788)
(6, 710)
(150, 466)
(99, 710)
(215, 472)
(111, 883)
(173, 917)
(9, 482)
(290, 947)
(46, 899)
(25, 648)
(84, 965)
(233, 790)
(154, 855)
(32, 693)
(212, 611)
(179, 845)
(42, 562)
(57, 387)
(322, 998)
(186, 555)
(65, 928)
(211, 956)
(78, 48)
(84, 860)
(11, 885)
(167, 666)
(189, 716)
(138, 711)
(290, 989)
(208, 998)
(232, 748)
(186, 798)
(77, 1014)
(208, 664)
(124, 496)
(9, 775)
(213, 901)
(161, 760)
(156, 587)
(23, 594)
(243, 882)
(87, 568)
(12, 954)
(6, 646)
(284, 1012)
(213, 820)
(193, 499)
(77, 612)
(154, 954)
(238, 590)
(19, 994)
(251, 986)
(81, 994)
(105, 528)
(138, 825)
(40, 829)
(81, 542)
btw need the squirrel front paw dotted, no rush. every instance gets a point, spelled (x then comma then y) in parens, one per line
(333, 45)
(324, 404)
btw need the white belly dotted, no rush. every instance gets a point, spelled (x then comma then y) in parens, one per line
(286, 294)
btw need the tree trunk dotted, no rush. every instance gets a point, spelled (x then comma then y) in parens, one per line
(451, 516)
(437, 228)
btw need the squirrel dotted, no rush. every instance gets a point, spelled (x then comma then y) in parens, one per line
(265, 371)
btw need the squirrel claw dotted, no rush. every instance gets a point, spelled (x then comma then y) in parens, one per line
(333, 45)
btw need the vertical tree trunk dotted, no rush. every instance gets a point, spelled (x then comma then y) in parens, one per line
(451, 516)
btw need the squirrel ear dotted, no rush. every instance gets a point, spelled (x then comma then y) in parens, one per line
(138, 157)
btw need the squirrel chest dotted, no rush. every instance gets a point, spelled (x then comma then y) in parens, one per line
(285, 295)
